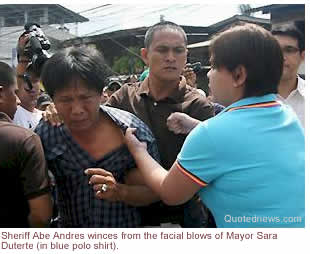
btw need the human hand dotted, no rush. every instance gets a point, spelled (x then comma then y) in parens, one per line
(22, 65)
(190, 76)
(133, 144)
(181, 123)
(104, 97)
(23, 39)
(51, 115)
(104, 184)
(23, 60)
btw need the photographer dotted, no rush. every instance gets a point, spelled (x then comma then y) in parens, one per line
(27, 115)
(189, 73)
(31, 58)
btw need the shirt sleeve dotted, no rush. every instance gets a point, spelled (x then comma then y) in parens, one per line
(113, 101)
(153, 150)
(144, 134)
(197, 158)
(34, 173)
(201, 108)
(117, 100)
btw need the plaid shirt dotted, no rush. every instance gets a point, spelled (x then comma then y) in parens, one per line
(77, 204)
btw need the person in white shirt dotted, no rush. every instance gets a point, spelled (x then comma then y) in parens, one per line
(27, 115)
(291, 89)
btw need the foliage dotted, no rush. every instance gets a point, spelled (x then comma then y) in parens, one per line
(128, 63)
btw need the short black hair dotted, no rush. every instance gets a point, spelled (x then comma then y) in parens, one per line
(32, 72)
(7, 75)
(162, 26)
(257, 50)
(290, 30)
(85, 63)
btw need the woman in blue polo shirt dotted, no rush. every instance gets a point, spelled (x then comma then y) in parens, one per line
(248, 162)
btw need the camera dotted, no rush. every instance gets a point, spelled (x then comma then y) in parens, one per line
(196, 67)
(35, 48)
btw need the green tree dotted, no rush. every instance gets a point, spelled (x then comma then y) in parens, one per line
(128, 63)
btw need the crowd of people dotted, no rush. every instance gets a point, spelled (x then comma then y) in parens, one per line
(158, 152)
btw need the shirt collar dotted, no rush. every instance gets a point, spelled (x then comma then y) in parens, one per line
(144, 87)
(175, 95)
(299, 89)
(252, 100)
(106, 110)
(301, 86)
(4, 117)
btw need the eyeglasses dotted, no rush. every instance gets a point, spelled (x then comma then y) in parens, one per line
(289, 50)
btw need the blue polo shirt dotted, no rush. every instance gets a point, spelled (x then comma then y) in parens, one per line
(250, 163)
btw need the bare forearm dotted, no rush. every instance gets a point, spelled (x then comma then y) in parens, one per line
(40, 211)
(137, 195)
(181, 123)
(152, 172)
(193, 124)
(37, 222)
(173, 186)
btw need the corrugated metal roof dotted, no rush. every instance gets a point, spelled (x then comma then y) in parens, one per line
(269, 8)
(199, 44)
(13, 20)
(116, 17)
(10, 35)
(14, 14)
(220, 25)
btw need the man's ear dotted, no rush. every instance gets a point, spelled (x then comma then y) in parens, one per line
(239, 74)
(144, 52)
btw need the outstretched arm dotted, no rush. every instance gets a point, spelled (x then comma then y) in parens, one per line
(35, 181)
(181, 123)
(40, 211)
(173, 186)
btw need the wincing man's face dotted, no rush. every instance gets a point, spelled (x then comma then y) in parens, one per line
(78, 106)
(166, 56)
